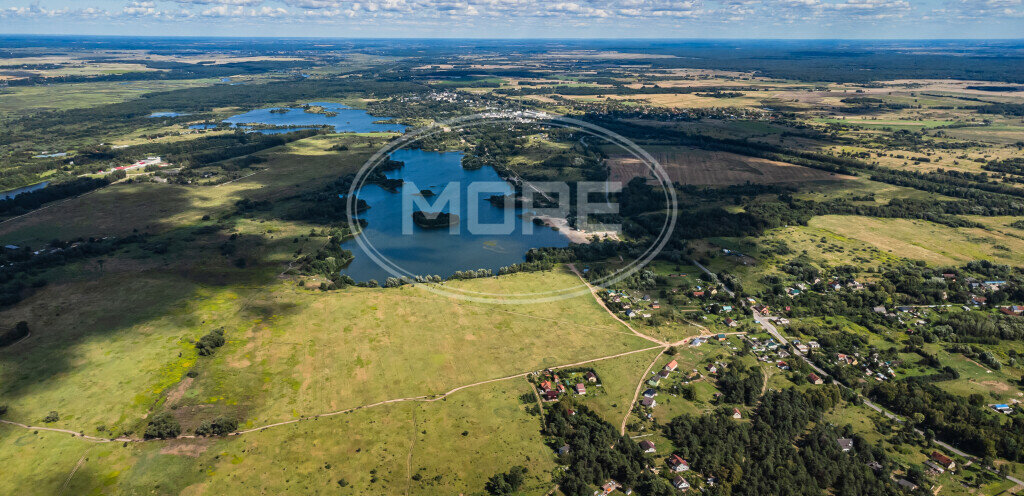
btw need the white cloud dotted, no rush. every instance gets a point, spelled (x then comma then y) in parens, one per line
(220, 2)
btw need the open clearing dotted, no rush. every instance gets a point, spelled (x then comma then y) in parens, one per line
(714, 168)
(290, 352)
(923, 240)
(444, 447)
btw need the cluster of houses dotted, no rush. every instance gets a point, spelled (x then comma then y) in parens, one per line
(551, 386)
(873, 366)
(704, 292)
(663, 373)
(676, 464)
(937, 464)
(769, 350)
(834, 285)
(648, 400)
(633, 306)
(146, 162)
(700, 340)
(1013, 310)
(905, 315)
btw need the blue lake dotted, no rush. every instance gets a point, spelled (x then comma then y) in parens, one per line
(348, 119)
(166, 114)
(438, 251)
(4, 195)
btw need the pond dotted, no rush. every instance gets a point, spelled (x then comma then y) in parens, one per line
(4, 195)
(166, 114)
(438, 251)
(347, 119)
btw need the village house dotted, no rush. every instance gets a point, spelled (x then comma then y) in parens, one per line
(1012, 310)
(649, 402)
(680, 483)
(731, 323)
(671, 366)
(650, 393)
(943, 460)
(607, 488)
(845, 444)
(934, 467)
(580, 388)
(647, 446)
(677, 464)
(1003, 408)
(736, 413)
(591, 377)
(904, 483)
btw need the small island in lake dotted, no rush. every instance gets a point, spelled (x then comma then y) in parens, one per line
(434, 220)
(280, 111)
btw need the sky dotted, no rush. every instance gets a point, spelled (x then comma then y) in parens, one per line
(787, 19)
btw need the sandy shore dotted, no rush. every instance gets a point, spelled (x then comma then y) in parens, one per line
(575, 235)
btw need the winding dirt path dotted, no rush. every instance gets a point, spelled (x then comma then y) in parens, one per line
(594, 290)
(636, 394)
(423, 398)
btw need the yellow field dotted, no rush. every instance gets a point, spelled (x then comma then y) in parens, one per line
(922, 240)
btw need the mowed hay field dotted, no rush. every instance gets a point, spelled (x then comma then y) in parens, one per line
(923, 240)
(714, 168)
(442, 447)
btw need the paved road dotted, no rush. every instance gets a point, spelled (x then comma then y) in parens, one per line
(713, 275)
(771, 329)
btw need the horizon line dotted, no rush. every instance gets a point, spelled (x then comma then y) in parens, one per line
(473, 38)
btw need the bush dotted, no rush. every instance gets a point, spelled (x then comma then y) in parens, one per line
(163, 426)
(507, 483)
(219, 427)
(51, 417)
(210, 342)
(13, 335)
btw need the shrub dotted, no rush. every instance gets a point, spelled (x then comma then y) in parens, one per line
(506, 483)
(163, 426)
(219, 427)
(51, 417)
(14, 334)
(210, 342)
